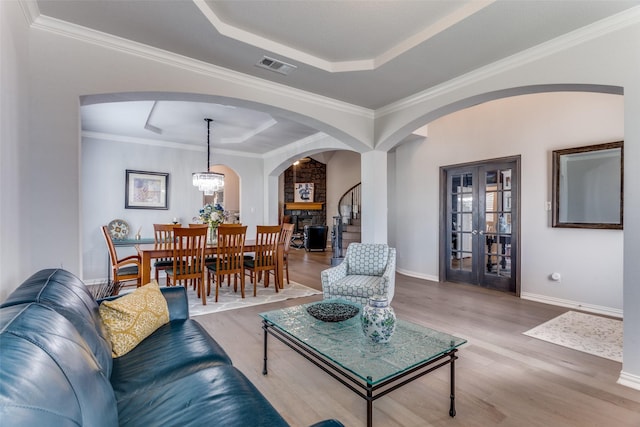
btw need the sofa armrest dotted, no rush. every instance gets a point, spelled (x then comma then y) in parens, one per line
(328, 423)
(177, 301)
(331, 275)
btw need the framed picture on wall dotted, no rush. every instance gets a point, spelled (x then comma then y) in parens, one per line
(146, 190)
(303, 192)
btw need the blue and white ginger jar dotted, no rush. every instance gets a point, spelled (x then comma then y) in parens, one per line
(378, 319)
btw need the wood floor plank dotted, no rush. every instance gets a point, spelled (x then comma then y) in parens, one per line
(503, 378)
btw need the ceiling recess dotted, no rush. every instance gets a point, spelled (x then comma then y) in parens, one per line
(275, 65)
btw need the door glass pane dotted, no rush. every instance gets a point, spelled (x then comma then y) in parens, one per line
(497, 256)
(465, 241)
(467, 183)
(467, 261)
(490, 217)
(491, 177)
(490, 252)
(506, 201)
(467, 202)
(466, 222)
(461, 261)
(504, 223)
(456, 183)
(455, 203)
(505, 179)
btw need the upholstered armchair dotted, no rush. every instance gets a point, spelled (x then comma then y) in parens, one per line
(368, 269)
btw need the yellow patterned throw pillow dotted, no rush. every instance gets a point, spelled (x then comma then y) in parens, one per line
(133, 317)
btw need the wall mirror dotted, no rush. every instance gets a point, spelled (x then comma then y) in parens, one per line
(588, 186)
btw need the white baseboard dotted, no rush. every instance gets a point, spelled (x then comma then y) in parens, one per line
(417, 275)
(598, 309)
(629, 380)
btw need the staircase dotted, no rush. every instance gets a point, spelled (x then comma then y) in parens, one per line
(351, 233)
(349, 208)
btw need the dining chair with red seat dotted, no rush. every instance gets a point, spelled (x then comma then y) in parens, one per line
(229, 259)
(123, 269)
(267, 241)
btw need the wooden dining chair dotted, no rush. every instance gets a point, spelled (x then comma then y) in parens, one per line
(229, 259)
(267, 241)
(285, 238)
(124, 269)
(188, 259)
(163, 233)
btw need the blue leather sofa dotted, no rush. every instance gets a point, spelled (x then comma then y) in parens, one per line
(56, 367)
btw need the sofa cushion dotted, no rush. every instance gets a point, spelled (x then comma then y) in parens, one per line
(367, 259)
(49, 375)
(218, 395)
(175, 349)
(69, 296)
(134, 317)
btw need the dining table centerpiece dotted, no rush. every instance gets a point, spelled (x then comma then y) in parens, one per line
(213, 215)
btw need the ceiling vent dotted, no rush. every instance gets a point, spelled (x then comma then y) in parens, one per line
(275, 65)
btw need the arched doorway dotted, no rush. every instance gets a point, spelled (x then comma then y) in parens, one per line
(229, 196)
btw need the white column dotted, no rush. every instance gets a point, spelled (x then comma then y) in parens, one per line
(271, 200)
(374, 197)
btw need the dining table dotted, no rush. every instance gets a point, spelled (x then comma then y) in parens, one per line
(150, 251)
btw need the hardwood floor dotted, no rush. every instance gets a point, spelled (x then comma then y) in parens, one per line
(503, 378)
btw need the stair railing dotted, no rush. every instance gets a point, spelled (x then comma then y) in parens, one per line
(350, 204)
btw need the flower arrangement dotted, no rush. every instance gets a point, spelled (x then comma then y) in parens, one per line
(213, 215)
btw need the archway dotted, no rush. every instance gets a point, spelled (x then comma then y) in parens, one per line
(229, 196)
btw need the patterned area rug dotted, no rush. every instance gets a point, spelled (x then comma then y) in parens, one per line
(229, 300)
(588, 333)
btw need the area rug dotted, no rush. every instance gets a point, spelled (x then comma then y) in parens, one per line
(230, 300)
(588, 333)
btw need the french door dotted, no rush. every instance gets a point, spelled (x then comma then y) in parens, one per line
(480, 238)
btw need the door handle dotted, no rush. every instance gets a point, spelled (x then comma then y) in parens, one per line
(474, 232)
(481, 233)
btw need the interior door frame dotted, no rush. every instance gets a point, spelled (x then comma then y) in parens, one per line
(443, 232)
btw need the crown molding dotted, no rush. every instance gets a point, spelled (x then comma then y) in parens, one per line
(574, 38)
(30, 9)
(109, 137)
(108, 41)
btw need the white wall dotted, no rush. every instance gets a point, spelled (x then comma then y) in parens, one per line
(14, 119)
(531, 126)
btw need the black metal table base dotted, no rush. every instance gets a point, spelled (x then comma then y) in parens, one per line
(366, 390)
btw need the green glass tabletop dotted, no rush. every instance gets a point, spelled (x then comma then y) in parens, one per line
(345, 344)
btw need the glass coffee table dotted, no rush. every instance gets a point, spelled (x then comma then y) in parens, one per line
(370, 370)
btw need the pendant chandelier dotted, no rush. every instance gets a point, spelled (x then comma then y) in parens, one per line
(208, 181)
